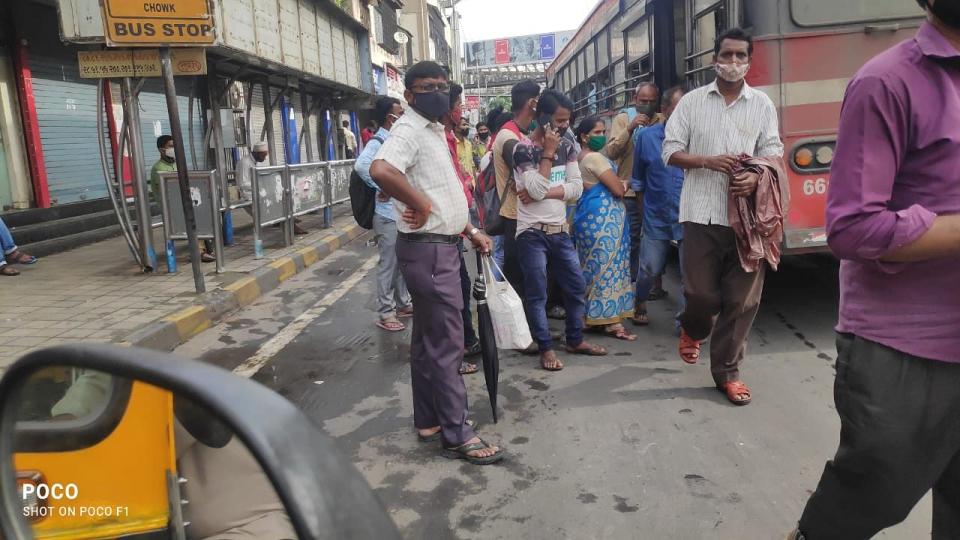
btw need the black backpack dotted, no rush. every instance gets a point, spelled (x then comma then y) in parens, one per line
(363, 199)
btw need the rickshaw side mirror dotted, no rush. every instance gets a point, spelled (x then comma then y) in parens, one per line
(51, 400)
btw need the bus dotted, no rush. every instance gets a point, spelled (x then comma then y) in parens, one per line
(806, 51)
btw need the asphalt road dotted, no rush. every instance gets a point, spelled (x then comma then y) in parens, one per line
(633, 445)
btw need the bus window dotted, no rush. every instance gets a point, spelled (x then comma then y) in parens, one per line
(831, 12)
(66, 409)
(705, 28)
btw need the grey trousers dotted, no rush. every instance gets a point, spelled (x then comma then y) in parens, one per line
(432, 272)
(899, 438)
(392, 291)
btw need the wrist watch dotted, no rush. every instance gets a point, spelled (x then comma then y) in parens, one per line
(472, 233)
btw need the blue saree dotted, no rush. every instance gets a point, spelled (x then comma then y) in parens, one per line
(602, 236)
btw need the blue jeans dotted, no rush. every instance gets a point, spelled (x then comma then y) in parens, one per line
(7, 246)
(498, 255)
(653, 262)
(535, 249)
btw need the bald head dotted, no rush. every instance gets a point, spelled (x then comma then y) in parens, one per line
(646, 98)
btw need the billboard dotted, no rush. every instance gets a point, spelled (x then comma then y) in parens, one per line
(516, 50)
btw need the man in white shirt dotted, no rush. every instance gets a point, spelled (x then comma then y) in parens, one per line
(349, 140)
(414, 167)
(709, 129)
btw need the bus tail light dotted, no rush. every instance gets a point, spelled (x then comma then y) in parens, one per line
(813, 157)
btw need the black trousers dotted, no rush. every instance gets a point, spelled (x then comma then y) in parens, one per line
(899, 438)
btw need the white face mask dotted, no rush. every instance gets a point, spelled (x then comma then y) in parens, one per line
(732, 72)
(169, 153)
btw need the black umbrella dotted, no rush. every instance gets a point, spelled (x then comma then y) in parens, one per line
(488, 341)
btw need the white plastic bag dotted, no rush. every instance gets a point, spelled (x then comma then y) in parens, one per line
(506, 310)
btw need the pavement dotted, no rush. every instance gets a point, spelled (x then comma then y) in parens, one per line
(633, 445)
(97, 293)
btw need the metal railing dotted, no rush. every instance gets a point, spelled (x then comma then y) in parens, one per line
(278, 195)
(610, 98)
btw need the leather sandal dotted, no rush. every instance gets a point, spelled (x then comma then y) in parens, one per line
(439, 433)
(587, 349)
(688, 348)
(737, 392)
(463, 452)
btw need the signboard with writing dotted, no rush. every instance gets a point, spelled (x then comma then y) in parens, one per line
(149, 23)
(139, 63)
(530, 49)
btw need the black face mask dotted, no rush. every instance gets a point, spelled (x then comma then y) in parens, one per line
(483, 136)
(433, 105)
(647, 109)
(947, 11)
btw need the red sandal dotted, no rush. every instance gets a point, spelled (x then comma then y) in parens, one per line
(689, 348)
(737, 392)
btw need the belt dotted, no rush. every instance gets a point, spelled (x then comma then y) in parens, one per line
(429, 238)
(550, 228)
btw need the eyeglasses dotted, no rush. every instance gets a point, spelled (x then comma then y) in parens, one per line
(427, 88)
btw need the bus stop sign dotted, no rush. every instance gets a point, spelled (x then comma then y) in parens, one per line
(152, 23)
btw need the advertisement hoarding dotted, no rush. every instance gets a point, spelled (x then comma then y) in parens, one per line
(516, 50)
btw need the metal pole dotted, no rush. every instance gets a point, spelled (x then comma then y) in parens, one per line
(329, 123)
(144, 224)
(268, 122)
(305, 107)
(173, 111)
(219, 162)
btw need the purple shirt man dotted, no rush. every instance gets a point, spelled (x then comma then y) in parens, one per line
(897, 167)
(893, 216)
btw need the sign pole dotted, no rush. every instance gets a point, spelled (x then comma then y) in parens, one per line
(131, 105)
(170, 89)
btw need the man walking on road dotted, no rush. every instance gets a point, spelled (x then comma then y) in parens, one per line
(548, 176)
(893, 218)
(414, 166)
(393, 299)
(709, 129)
(658, 189)
(621, 148)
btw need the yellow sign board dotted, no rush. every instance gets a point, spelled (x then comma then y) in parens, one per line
(151, 23)
(139, 63)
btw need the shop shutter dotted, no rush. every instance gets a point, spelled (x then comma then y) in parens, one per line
(155, 121)
(257, 120)
(67, 117)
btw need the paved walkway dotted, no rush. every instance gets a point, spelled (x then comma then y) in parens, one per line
(96, 293)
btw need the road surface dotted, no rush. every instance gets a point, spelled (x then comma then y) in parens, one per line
(633, 445)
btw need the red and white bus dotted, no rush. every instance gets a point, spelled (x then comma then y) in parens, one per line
(805, 53)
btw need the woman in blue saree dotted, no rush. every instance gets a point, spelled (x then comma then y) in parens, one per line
(602, 235)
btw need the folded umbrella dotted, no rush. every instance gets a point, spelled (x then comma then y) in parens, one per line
(488, 341)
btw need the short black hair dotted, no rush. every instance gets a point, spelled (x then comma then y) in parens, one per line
(481, 124)
(923, 4)
(587, 125)
(383, 107)
(669, 93)
(455, 92)
(736, 34)
(371, 123)
(496, 118)
(163, 140)
(521, 93)
(346, 123)
(551, 100)
(424, 70)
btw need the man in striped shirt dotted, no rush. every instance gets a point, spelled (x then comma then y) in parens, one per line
(711, 126)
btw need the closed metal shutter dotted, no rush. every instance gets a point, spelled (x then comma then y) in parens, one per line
(67, 117)
(257, 120)
(155, 121)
